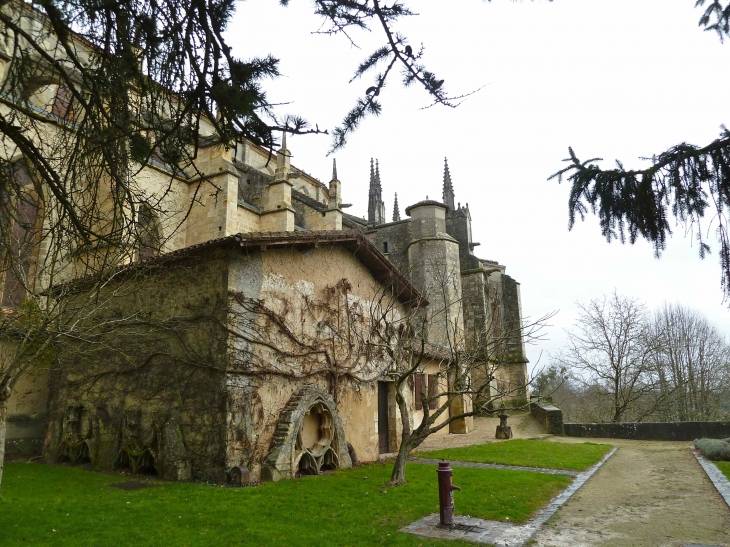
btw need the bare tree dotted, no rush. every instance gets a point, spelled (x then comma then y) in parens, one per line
(451, 383)
(611, 351)
(692, 365)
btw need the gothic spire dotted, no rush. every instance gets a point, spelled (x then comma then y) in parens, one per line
(448, 193)
(396, 209)
(335, 196)
(283, 161)
(376, 207)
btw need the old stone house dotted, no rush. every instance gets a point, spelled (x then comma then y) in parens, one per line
(235, 336)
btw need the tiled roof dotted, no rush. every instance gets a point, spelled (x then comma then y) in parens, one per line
(354, 241)
(425, 202)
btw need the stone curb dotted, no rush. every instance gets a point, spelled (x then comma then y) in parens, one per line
(476, 465)
(718, 479)
(498, 533)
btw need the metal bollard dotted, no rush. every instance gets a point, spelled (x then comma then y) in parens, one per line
(446, 496)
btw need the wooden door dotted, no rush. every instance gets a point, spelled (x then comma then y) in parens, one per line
(383, 417)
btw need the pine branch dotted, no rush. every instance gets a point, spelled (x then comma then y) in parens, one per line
(686, 182)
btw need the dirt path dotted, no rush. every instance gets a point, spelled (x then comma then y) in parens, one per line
(649, 494)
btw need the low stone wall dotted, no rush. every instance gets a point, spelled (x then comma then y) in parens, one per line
(651, 431)
(548, 415)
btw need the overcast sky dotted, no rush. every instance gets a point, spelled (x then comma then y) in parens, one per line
(617, 79)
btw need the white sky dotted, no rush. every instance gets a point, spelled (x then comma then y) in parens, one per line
(612, 78)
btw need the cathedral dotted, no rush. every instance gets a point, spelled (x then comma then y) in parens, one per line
(252, 328)
(279, 242)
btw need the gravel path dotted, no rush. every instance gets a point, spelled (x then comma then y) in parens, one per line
(648, 494)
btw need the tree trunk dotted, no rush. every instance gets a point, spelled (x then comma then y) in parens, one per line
(3, 421)
(399, 465)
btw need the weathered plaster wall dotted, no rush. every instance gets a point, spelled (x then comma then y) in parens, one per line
(153, 382)
(309, 273)
(293, 283)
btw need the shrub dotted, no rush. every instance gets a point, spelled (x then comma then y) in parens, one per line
(714, 449)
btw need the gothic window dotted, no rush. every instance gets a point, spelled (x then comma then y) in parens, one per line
(63, 104)
(496, 320)
(148, 233)
(19, 229)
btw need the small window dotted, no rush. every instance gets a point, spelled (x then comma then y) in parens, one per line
(385, 247)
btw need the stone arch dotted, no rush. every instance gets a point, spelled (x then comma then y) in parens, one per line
(309, 437)
(76, 434)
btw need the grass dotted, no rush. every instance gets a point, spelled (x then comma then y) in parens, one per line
(724, 467)
(59, 505)
(529, 453)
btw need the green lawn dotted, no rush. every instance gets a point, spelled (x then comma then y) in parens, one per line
(59, 505)
(570, 456)
(724, 467)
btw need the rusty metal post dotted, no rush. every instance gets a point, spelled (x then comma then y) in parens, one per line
(446, 495)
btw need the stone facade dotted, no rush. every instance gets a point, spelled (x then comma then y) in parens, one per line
(434, 246)
(194, 389)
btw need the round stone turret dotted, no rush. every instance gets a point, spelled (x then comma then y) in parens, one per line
(426, 203)
(429, 218)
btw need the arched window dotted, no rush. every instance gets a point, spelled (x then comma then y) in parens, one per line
(148, 232)
(63, 104)
(19, 230)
